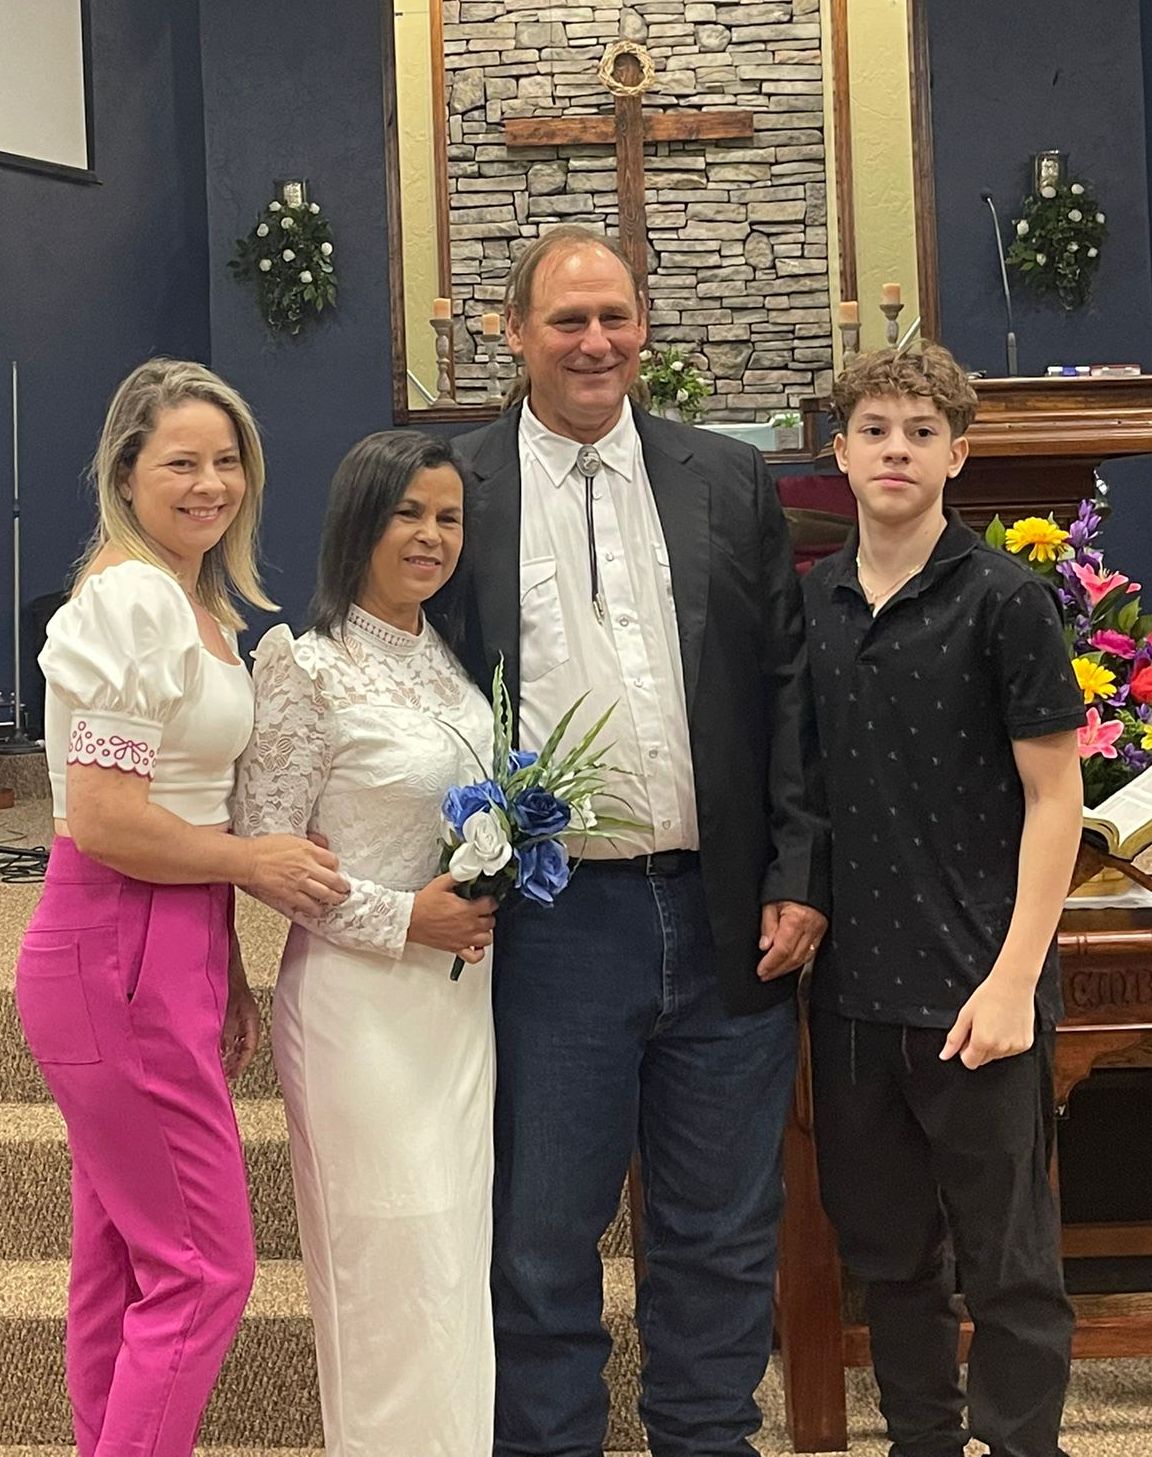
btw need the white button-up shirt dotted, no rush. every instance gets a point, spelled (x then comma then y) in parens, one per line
(632, 657)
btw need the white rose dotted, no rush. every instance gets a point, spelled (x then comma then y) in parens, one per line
(1077, 190)
(262, 230)
(485, 848)
(265, 264)
(681, 396)
(287, 255)
(273, 207)
(313, 207)
(1073, 247)
(305, 277)
(1099, 217)
(582, 818)
(1093, 252)
(1047, 192)
(287, 223)
(645, 355)
(677, 365)
(1041, 259)
(1075, 216)
(326, 249)
(1022, 229)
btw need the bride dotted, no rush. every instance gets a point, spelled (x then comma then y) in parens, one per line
(385, 1063)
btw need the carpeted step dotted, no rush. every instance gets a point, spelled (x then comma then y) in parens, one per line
(267, 1391)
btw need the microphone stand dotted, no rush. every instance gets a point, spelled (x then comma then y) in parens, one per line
(1010, 341)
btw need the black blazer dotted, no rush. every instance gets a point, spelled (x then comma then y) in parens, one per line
(763, 831)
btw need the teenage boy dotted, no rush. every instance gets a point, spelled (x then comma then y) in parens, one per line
(947, 712)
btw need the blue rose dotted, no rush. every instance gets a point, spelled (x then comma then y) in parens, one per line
(539, 813)
(464, 800)
(542, 871)
(520, 759)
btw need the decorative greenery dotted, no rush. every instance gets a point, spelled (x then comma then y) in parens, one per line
(785, 419)
(289, 255)
(1108, 637)
(1057, 243)
(673, 383)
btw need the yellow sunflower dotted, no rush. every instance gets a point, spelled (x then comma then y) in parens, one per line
(1043, 537)
(1095, 681)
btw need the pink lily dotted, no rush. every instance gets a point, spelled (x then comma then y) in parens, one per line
(1098, 738)
(1110, 640)
(1098, 584)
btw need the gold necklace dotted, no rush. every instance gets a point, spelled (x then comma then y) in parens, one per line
(883, 593)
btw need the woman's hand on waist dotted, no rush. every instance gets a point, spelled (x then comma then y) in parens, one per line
(294, 874)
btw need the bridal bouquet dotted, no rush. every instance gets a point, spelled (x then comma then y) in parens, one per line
(1109, 640)
(512, 829)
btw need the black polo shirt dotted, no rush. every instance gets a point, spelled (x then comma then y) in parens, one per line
(917, 710)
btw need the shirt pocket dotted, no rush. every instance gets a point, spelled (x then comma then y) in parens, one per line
(663, 572)
(52, 1005)
(543, 641)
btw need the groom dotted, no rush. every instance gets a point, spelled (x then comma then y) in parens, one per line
(653, 1006)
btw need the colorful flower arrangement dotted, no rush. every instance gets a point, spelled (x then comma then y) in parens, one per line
(1108, 640)
(512, 829)
(288, 254)
(674, 383)
(1057, 244)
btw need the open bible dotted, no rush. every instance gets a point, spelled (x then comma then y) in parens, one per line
(1117, 830)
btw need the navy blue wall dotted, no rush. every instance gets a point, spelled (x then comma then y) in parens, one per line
(282, 99)
(97, 278)
(1008, 80)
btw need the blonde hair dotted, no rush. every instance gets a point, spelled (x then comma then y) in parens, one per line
(157, 385)
(931, 374)
(564, 238)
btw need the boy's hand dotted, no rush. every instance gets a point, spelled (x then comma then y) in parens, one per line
(996, 1021)
(790, 934)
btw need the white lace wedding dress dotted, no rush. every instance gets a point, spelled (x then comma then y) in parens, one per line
(385, 1063)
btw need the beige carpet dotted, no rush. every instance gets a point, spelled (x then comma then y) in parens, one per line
(266, 1405)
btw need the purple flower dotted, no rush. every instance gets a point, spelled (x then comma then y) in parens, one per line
(462, 801)
(542, 871)
(1083, 530)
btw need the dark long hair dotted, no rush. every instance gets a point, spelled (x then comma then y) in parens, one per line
(369, 484)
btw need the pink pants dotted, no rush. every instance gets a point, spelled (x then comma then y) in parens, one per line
(122, 988)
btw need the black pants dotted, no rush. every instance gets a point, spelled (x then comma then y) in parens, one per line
(912, 1150)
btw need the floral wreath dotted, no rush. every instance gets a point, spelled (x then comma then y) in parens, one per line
(1057, 242)
(289, 255)
(673, 380)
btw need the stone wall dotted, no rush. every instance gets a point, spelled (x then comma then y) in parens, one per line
(738, 234)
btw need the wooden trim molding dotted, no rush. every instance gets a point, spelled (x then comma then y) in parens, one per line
(924, 169)
(440, 147)
(395, 223)
(841, 82)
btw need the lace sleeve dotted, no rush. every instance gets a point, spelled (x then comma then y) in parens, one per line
(280, 778)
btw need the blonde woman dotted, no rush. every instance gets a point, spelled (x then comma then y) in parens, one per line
(129, 983)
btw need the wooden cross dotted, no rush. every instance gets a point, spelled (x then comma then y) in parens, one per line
(627, 72)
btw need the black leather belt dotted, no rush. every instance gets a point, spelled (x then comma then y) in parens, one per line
(663, 862)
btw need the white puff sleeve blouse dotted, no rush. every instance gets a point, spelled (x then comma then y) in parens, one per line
(130, 686)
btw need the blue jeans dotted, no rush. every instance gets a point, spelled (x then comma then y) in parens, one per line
(610, 1034)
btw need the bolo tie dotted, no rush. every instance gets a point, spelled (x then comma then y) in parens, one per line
(589, 464)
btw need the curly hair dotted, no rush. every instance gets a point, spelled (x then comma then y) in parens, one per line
(931, 374)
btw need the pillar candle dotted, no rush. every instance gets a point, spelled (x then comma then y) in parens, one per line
(441, 308)
(490, 323)
(849, 312)
(890, 293)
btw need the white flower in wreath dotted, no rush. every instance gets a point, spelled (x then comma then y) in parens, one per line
(677, 366)
(274, 207)
(1077, 190)
(1022, 228)
(287, 223)
(645, 355)
(1099, 217)
(1048, 192)
(1075, 216)
(313, 208)
(265, 265)
(262, 230)
(681, 396)
(1041, 259)
(1093, 252)
(485, 849)
(287, 255)
(1073, 247)
(305, 277)
(326, 249)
